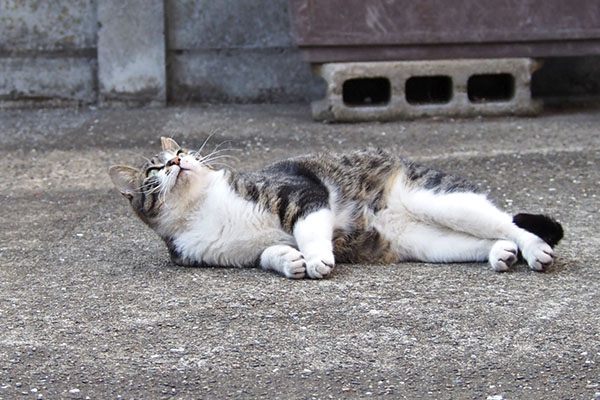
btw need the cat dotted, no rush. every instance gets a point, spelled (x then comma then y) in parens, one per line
(300, 216)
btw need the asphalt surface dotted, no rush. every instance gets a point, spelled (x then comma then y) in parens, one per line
(91, 307)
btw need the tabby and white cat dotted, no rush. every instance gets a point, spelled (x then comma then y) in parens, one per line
(302, 215)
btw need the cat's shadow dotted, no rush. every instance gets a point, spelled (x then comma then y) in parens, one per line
(154, 265)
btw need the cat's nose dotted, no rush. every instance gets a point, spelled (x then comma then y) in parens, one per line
(173, 161)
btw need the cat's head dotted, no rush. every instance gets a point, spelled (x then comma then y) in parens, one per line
(165, 185)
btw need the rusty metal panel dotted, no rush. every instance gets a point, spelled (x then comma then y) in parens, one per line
(342, 30)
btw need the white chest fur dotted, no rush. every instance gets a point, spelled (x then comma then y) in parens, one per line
(226, 229)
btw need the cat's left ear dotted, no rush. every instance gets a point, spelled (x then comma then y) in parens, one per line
(125, 179)
(169, 144)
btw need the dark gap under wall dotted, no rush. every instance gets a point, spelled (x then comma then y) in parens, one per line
(567, 79)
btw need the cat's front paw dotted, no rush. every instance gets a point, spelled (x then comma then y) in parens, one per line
(293, 264)
(538, 254)
(317, 269)
(503, 255)
(284, 259)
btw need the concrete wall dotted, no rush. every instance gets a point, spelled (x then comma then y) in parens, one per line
(140, 52)
(131, 52)
(234, 51)
(47, 51)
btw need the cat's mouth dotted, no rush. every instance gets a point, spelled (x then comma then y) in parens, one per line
(180, 172)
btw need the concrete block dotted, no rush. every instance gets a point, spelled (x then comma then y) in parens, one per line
(39, 25)
(39, 81)
(364, 91)
(131, 52)
(209, 24)
(242, 76)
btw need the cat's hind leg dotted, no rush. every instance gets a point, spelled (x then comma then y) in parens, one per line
(538, 254)
(424, 242)
(313, 234)
(429, 243)
(284, 259)
(475, 215)
(503, 255)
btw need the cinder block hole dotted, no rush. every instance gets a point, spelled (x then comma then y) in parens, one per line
(428, 89)
(366, 92)
(491, 87)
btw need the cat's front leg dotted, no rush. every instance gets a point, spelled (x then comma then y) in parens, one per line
(284, 259)
(313, 234)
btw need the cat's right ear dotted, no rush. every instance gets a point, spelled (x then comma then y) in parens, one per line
(169, 144)
(125, 179)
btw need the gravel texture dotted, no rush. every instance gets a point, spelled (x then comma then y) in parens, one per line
(91, 306)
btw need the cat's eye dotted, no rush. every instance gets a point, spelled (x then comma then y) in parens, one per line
(151, 172)
(181, 153)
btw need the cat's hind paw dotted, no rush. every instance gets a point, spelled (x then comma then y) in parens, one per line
(503, 255)
(538, 254)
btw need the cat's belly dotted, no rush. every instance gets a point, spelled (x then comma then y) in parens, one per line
(394, 221)
(367, 237)
(229, 231)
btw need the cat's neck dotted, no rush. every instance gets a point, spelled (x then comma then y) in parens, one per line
(179, 213)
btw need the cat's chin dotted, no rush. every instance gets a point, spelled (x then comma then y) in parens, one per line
(186, 176)
(189, 182)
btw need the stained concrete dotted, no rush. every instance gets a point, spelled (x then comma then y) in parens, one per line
(29, 82)
(239, 52)
(131, 53)
(238, 24)
(134, 53)
(44, 26)
(92, 307)
(47, 53)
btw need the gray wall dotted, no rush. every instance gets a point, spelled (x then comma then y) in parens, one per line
(138, 52)
(147, 51)
(240, 51)
(48, 51)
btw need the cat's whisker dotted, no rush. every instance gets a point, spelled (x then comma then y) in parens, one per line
(214, 153)
(226, 166)
(210, 136)
(210, 159)
(146, 189)
(204, 144)
(220, 164)
(162, 194)
(221, 144)
(216, 162)
(217, 152)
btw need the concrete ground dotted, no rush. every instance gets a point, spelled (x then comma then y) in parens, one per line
(91, 306)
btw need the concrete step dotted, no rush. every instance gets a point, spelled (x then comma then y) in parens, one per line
(366, 91)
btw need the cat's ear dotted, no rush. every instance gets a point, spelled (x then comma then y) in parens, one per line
(169, 144)
(125, 179)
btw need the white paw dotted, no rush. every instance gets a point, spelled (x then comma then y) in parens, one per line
(293, 264)
(503, 255)
(317, 268)
(286, 260)
(538, 254)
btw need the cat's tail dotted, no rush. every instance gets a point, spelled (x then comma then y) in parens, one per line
(540, 225)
